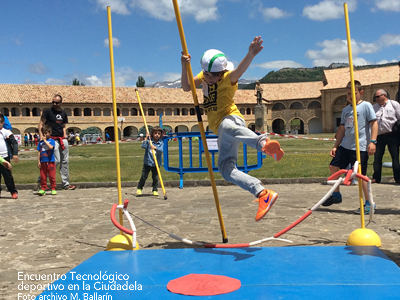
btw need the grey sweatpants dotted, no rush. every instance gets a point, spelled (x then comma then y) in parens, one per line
(231, 132)
(62, 160)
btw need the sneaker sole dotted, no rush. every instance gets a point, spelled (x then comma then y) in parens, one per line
(268, 208)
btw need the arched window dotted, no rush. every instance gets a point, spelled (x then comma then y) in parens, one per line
(168, 112)
(248, 111)
(77, 112)
(134, 112)
(36, 112)
(15, 112)
(342, 100)
(97, 112)
(106, 112)
(26, 112)
(87, 112)
(150, 112)
(278, 106)
(184, 112)
(4, 111)
(125, 112)
(67, 111)
(242, 111)
(192, 112)
(314, 104)
(177, 112)
(296, 105)
(160, 111)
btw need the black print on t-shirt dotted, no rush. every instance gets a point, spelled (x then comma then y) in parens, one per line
(210, 102)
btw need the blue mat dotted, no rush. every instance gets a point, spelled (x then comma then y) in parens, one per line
(265, 273)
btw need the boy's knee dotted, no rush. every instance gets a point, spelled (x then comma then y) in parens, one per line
(333, 169)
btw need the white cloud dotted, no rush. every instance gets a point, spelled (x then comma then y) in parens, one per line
(274, 13)
(171, 76)
(38, 68)
(385, 61)
(336, 51)
(387, 5)
(202, 10)
(124, 76)
(328, 10)
(389, 39)
(117, 6)
(55, 81)
(116, 42)
(279, 64)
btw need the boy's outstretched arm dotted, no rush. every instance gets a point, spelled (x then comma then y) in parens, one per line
(184, 76)
(254, 48)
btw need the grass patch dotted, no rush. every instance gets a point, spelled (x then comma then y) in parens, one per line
(97, 163)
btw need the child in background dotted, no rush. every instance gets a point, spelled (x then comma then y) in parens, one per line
(8, 150)
(219, 80)
(148, 160)
(47, 161)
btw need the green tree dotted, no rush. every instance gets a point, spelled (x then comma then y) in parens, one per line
(90, 130)
(76, 82)
(141, 82)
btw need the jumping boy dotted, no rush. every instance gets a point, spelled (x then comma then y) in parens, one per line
(219, 81)
(8, 150)
(47, 161)
(148, 160)
(344, 150)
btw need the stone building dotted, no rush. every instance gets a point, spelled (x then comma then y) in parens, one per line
(308, 107)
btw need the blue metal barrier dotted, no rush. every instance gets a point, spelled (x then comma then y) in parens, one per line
(195, 136)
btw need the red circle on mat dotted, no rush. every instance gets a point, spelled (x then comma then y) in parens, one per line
(203, 285)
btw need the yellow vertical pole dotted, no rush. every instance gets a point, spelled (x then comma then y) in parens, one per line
(115, 114)
(152, 150)
(354, 103)
(202, 133)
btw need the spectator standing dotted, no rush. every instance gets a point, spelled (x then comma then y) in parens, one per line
(30, 139)
(387, 113)
(26, 140)
(8, 151)
(77, 138)
(57, 118)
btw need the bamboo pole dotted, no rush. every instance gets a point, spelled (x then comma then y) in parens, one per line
(199, 119)
(115, 113)
(354, 103)
(151, 144)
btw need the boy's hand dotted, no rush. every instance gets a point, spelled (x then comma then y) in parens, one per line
(16, 158)
(7, 165)
(371, 149)
(38, 165)
(333, 152)
(185, 58)
(153, 147)
(256, 46)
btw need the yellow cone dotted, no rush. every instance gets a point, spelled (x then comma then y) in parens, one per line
(121, 242)
(364, 237)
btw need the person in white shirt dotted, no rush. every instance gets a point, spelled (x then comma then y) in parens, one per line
(387, 113)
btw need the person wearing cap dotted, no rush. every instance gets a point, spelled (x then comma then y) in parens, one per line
(219, 81)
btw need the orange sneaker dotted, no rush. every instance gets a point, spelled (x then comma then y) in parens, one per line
(273, 149)
(265, 201)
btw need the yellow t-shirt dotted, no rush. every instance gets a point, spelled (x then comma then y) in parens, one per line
(218, 100)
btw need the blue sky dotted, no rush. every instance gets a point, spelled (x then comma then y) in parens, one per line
(55, 41)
